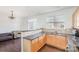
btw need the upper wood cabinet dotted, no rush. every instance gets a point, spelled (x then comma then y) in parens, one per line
(76, 18)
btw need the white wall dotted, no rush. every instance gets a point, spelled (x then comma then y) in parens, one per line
(64, 15)
(21, 22)
(24, 24)
(7, 24)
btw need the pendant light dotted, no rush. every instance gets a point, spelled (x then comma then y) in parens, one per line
(12, 16)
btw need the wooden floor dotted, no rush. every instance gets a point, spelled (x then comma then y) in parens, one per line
(10, 46)
(48, 48)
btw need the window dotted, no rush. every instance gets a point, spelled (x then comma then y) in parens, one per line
(32, 24)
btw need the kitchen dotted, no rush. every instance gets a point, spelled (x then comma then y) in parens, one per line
(50, 30)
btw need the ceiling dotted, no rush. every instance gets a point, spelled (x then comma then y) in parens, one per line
(30, 10)
(37, 10)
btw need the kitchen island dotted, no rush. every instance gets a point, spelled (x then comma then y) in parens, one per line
(34, 42)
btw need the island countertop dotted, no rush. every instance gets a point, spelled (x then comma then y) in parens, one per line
(34, 36)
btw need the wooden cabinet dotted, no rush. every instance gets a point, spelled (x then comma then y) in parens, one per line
(53, 40)
(42, 41)
(30, 45)
(38, 43)
(62, 42)
(57, 41)
(50, 39)
(35, 45)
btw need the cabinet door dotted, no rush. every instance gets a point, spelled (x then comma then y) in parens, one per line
(44, 39)
(61, 42)
(35, 45)
(41, 41)
(51, 40)
(57, 41)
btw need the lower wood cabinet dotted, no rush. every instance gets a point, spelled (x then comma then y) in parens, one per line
(57, 41)
(35, 45)
(53, 40)
(42, 41)
(62, 42)
(38, 43)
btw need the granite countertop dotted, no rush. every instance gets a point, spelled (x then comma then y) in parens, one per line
(34, 36)
(59, 34)
(31, 37)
